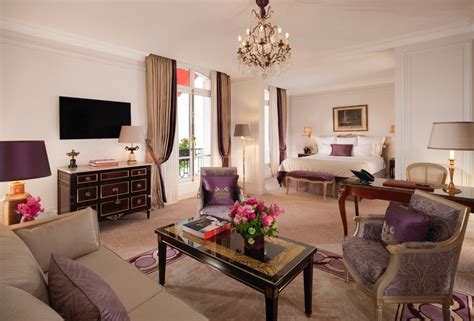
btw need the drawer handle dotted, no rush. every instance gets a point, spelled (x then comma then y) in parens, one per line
(88, 194)
(139, 201)
(117, 202)
(139, 185)
(115, 189)
(88, 178)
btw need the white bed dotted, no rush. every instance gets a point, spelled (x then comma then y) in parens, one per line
(338, 166)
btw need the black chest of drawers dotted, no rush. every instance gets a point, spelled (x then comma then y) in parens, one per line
(112, 191)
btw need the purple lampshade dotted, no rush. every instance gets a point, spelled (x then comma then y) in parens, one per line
(20, 160)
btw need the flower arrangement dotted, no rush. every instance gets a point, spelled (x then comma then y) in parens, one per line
(30, 209)
(253, 219)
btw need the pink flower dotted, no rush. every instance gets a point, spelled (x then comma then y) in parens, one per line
(252, 201)
(261, 207)
(30, 209)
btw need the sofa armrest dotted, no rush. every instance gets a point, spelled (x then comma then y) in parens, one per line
(369, 227)
(70, 235)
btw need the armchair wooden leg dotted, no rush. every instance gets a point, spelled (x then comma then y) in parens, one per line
(287, 184)
(446, 312)
(378, 312)
(325, 187)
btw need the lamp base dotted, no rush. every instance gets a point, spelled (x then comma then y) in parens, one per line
(131, 158)
(451, 189)
(10, 203)
(17, 188)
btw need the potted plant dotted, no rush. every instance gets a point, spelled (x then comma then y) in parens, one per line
(184, 147)
(253, 220)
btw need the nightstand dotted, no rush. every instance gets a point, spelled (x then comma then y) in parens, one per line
(304, 155)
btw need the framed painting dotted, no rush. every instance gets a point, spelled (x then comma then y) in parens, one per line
(350, 118)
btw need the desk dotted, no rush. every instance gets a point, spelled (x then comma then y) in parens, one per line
(376, 190)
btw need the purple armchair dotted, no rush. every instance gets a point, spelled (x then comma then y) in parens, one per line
(220, 211)
(411, 272)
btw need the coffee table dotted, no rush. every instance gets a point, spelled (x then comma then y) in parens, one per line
(284, 259)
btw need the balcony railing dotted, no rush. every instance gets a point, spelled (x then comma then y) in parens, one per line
(185, 167)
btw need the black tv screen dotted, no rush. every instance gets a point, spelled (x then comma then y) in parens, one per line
(81, 118)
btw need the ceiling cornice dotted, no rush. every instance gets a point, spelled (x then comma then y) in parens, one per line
(406, 39)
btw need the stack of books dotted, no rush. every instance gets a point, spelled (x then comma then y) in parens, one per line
(108, 162)
(206, 227)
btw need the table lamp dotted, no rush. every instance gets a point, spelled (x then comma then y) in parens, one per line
(20, 160)
(452, 136)
(242, 131)
(131, 135)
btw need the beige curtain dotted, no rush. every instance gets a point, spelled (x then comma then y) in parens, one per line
(161, 95)
(223, 118)
(274, 142)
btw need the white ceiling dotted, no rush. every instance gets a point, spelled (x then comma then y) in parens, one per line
(335, 43)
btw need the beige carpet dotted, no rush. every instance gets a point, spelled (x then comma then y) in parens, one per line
(307, 219)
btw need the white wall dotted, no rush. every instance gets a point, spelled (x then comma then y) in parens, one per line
(316, 111)
(433, 83)
(247, 108)
(34, 78)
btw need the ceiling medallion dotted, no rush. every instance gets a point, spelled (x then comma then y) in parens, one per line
(264, 49)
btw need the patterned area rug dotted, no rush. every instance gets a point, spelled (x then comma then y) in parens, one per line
(332, 263)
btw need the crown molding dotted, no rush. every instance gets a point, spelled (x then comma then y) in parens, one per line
(36, 36)
(407, 39)
(344, 90)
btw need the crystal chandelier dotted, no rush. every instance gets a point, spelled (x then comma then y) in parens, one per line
(264, 49)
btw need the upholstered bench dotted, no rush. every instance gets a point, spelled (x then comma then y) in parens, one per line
(311, 177)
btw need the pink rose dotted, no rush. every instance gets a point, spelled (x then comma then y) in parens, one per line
(252, 201)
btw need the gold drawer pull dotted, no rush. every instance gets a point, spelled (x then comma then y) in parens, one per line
(115, 189)
(88, 178)
(117, 202)
(88, 194)
(139, 201)
(139, 185)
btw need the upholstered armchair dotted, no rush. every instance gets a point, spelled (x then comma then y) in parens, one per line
(411, 272)
(221, 211)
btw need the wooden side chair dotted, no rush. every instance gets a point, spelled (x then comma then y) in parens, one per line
(428, 173)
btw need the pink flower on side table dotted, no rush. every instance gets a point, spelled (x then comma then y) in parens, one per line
(30, 209)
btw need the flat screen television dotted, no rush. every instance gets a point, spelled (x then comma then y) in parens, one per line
(81, 118)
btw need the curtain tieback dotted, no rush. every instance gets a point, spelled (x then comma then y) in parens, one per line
(152, 153)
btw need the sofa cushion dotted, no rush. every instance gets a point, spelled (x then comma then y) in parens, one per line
(369, 259)
(17, 304)
(75, 235)
(403, 224)
(78, 293)
(131, 286)
(18, 267)
(220, 189)
(219, 211)
(165, 306)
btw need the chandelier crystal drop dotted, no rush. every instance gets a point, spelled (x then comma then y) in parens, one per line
(264, 49)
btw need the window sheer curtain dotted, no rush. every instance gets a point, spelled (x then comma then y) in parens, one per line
(223, 117)
(161, 95)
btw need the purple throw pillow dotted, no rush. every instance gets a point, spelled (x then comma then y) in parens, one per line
(78, 293)
(402, 224)
(341, 149)
(219, 189)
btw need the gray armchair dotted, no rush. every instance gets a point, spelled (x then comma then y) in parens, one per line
(221, 211)
(411, 272)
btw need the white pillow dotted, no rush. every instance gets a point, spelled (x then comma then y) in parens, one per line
(324, 149)
(328, 140)
(363, 150)
(376, 142)
(346, 140)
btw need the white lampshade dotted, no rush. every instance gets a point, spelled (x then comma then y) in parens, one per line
(452, 136)
(131, 134)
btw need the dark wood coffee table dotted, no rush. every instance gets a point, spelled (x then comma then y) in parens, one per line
(284, 259)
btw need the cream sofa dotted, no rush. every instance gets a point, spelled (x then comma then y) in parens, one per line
(24, 263)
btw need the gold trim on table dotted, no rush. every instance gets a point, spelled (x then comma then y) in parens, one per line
(270, 268)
